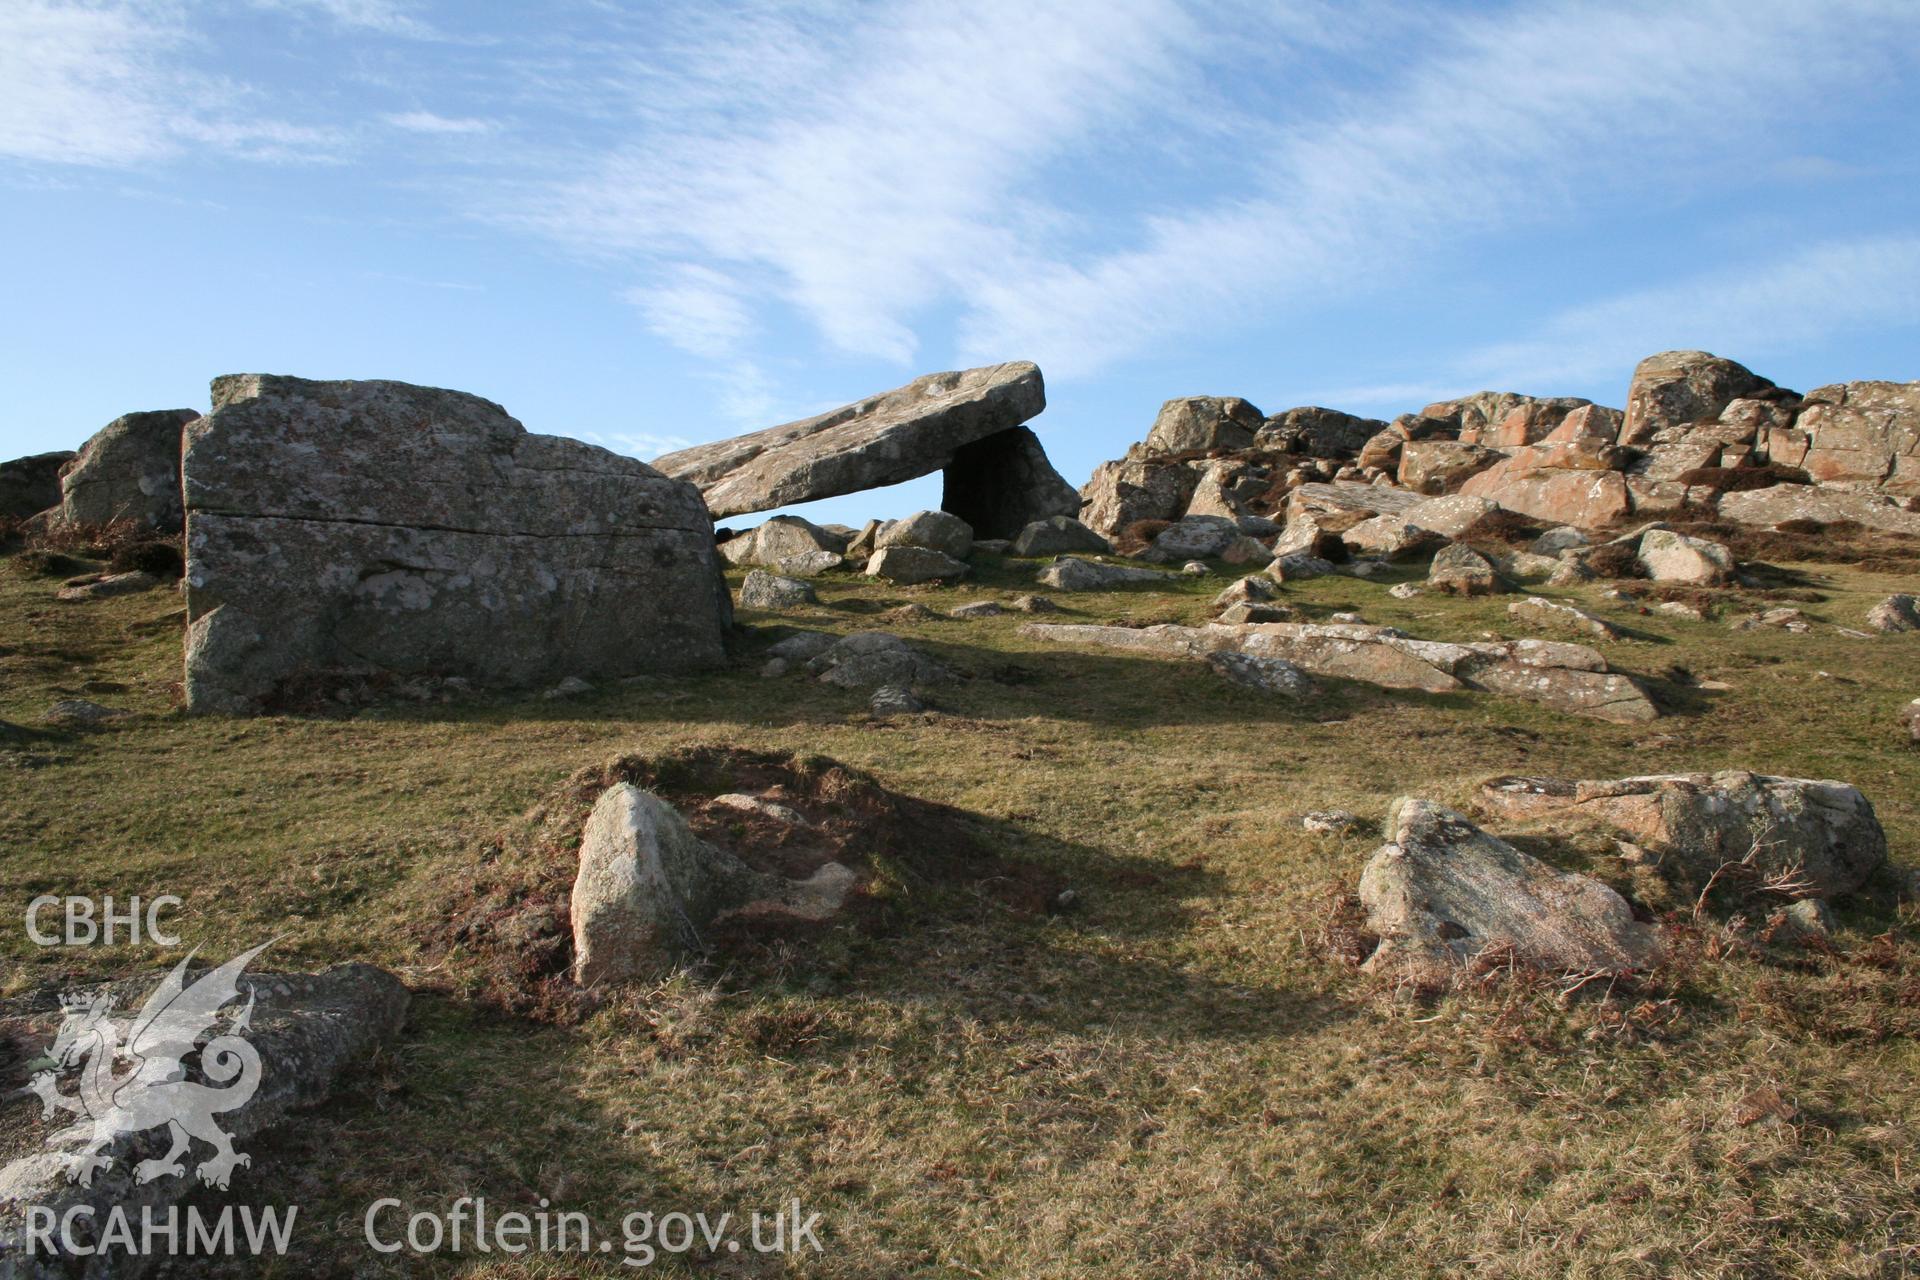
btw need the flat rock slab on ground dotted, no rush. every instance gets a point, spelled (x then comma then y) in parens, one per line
(1554, 615)
(377, 526)
(1265, 675)
(910, 566)
(763, 590)
(869, 659)
(899, 435)
(1768, 508)
(1569, 677)
(1070, 573)
(1822, 832)
(1443, 892)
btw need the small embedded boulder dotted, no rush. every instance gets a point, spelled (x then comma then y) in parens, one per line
(763, 590)
(908, 566)
(1785, 618)
(1666, 556)
(571, 687)
(1558, 541)
(1460, 570)
(1267, 675)
(1253, 589)
(1910, 718)
(1811, 916)
(788, 545)
(1895, 613)
(1191, 538)
(1392, 537)
(895, 700)
(978, 609)
(645, 889)
(933, 530)
(1059, 535)
(113, 584)
(1070, 573)
(79, 713)
(1556, 616)
(1333, 822)
(1234, 614)
(802, 646)
(869, 659)
(1820, 832)
(1444, 892)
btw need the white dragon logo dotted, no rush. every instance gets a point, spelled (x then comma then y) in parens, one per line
(154, 1090)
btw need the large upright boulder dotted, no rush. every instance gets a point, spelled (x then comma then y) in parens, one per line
(1317, 432)
(1666, 556)
(1864, 435)
(1058, 536)
(1193, 424)
(940, 531)
(1676, 388)
(1128, 490)
(883, 440)
(130, 470)
(381, 527)
(31, 485)
(1004, 483)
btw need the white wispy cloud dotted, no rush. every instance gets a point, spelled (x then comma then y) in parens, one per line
(109, 84)
(1752, 310)
(433, 123)
(864, 163)
(1757, 309)
(1079, 182)
(1502, 124)
(384, 17)
(697, 309)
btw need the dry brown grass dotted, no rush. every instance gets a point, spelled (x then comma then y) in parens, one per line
(1184, 1076)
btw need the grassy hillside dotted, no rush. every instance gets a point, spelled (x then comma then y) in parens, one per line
(1181, 1076)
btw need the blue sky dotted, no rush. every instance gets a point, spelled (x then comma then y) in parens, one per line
(650, 225)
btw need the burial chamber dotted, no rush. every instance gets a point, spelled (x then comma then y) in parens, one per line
(967, 424)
